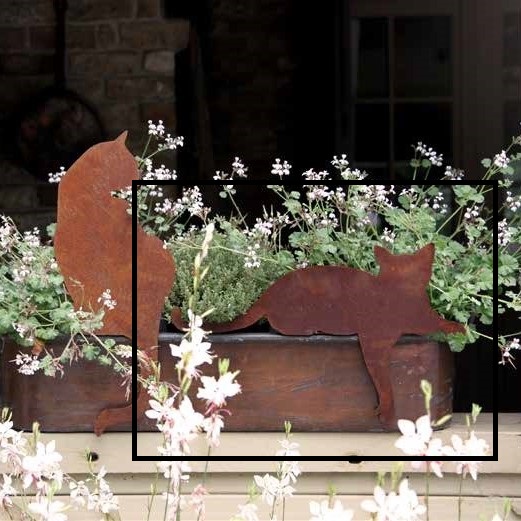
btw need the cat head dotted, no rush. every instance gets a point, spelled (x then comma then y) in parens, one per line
(416, 267)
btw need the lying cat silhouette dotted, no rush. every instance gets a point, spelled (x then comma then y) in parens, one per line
(93, 246)
(338, 300)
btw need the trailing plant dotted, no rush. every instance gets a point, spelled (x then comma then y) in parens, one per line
(35, 308)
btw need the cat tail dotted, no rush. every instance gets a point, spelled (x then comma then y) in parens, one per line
(255, 313)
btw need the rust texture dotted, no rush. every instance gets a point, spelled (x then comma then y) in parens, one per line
(93, 245)
(338, 300)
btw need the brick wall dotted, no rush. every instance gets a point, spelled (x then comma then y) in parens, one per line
(120, 57)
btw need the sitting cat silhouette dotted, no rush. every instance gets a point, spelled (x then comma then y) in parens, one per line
(339, 300)
(93, 246)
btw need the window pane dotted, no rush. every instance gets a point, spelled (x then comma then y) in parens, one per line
(372, 132)
(430, 123)
(423, 56)
(370, 54)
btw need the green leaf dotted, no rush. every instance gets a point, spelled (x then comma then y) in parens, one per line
(293, 206)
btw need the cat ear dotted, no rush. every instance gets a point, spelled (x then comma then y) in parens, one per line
(425, 258)
(427, 253)
(122, 137)
(381, 255)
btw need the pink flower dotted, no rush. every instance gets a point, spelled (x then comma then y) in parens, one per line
(197, 501)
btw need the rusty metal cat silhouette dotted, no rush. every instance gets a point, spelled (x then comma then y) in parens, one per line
(93, 246)
(339, 300)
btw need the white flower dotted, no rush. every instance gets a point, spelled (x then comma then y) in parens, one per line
(171, 143)
(353, 175)
(213, 426)
(415, 437)
(124, 351)
(107, 300)
(322, 512)
(473, 447)
(501, 160)
(289, 448)
(280, 169)
(403, 506)
(216, 391)
(160, 411)
(454, 174)
(7, 490)
(238, 168)
(505, 233)
(176, 471)
(388, 236)
(251, 258)
(472, 213)
(248, 512)
(272, 489)
(311, 175)
(506, 355)
(78, 493)
(318, 193)
(192, 354)
(429, 153)
(47, 510)
(340, 163)
(43, 464)
(158, 174)
(263, 227)
(27, 365)
(156, 129)
(102, 499)
(513, 203)
(182, 425)
(55, 177)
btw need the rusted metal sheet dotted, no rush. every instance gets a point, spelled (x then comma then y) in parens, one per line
(338, 300)
(93, 245)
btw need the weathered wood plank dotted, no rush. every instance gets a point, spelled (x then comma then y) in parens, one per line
(223, 507)
(114, 449)
(219, 483)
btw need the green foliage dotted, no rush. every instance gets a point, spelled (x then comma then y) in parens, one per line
(229, 288)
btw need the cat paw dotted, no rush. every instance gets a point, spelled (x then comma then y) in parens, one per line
(387, 419)
(101, 423)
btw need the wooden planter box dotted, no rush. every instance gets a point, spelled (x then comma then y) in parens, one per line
(319, 383)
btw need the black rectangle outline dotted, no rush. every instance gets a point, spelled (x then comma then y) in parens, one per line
(353, 459)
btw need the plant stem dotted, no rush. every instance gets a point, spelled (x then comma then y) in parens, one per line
(459, 496)
(427, 476)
